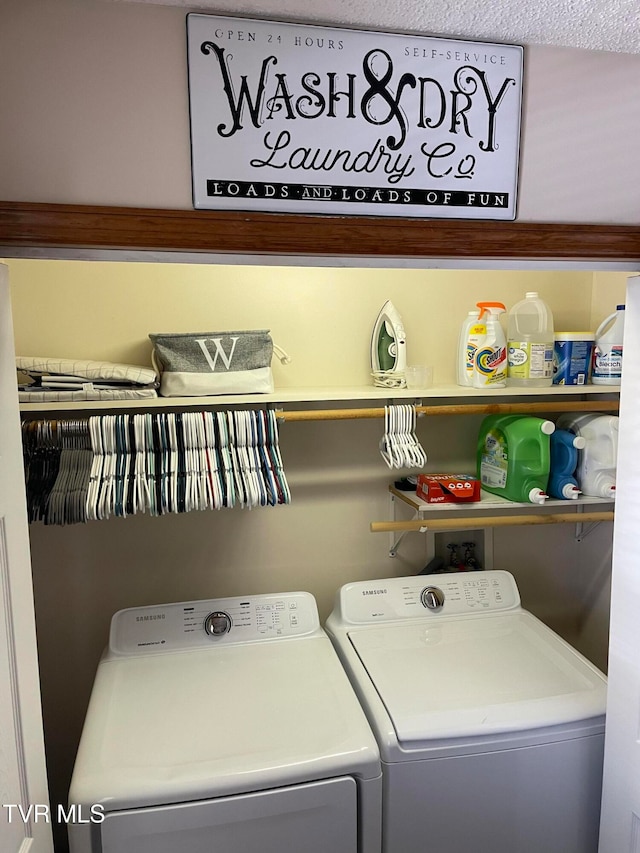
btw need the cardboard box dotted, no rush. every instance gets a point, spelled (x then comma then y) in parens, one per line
(447, 488)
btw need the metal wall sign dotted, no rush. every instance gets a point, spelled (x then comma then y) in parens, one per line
(310, 119)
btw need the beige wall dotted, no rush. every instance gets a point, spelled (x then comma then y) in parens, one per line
(607, 294)
(321, 316)
(93, 105)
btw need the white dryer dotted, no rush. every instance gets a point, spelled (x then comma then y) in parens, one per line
(225, 725)
(490, 726)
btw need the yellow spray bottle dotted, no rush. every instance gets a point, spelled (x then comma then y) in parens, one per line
(490, 359)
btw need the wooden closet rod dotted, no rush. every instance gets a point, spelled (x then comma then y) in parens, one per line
(355, 414)
(458, 409)
(470, 523)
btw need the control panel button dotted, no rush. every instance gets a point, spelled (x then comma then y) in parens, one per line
(217, 623)
(432, 598)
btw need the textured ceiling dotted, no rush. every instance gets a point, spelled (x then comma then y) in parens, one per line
(612, 25)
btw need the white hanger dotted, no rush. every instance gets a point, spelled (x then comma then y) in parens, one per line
(226, 461)
(399, 445)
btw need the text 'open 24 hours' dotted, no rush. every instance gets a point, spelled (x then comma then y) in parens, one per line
(309, 119)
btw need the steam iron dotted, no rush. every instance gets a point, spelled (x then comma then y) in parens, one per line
(388, 349)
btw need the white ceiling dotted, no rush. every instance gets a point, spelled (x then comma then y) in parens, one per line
(612, 25)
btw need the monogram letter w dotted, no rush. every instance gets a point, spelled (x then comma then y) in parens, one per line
(219, 351)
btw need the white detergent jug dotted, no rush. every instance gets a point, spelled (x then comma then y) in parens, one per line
(467, 344)
(596, 471)
(607, 352)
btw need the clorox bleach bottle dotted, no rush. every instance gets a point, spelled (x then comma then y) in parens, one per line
(607, 351)
(467, 344)
(513, 457)
(490, 358)
(530, 341)
(596, 471)
(564, 461)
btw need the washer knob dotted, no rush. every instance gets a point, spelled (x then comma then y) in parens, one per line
(217, 623)
(432, 598)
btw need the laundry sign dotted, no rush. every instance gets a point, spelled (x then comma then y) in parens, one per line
(311, 119)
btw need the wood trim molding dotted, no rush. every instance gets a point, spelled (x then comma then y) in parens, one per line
(25, 225)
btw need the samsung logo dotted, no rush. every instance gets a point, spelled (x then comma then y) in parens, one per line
(150, 618)
(374, 591)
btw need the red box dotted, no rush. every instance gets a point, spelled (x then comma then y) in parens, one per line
(448, 488)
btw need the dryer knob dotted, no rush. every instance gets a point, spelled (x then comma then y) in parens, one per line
(432, 598)
(217, 623)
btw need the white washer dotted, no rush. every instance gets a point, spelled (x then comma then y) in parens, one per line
(490, 726)
(224, 725)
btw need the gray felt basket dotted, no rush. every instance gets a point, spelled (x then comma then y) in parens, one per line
(199, 364)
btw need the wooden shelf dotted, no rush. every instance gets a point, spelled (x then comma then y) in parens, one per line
(491, 511)
(493, 503)
(436, 395)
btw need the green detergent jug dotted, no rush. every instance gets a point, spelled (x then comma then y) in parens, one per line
(514, 457)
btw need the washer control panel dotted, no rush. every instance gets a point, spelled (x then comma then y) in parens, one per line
(422, 596)
(212, 623)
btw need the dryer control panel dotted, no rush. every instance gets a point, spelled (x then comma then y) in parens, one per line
(213, 622)
(424, 596)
